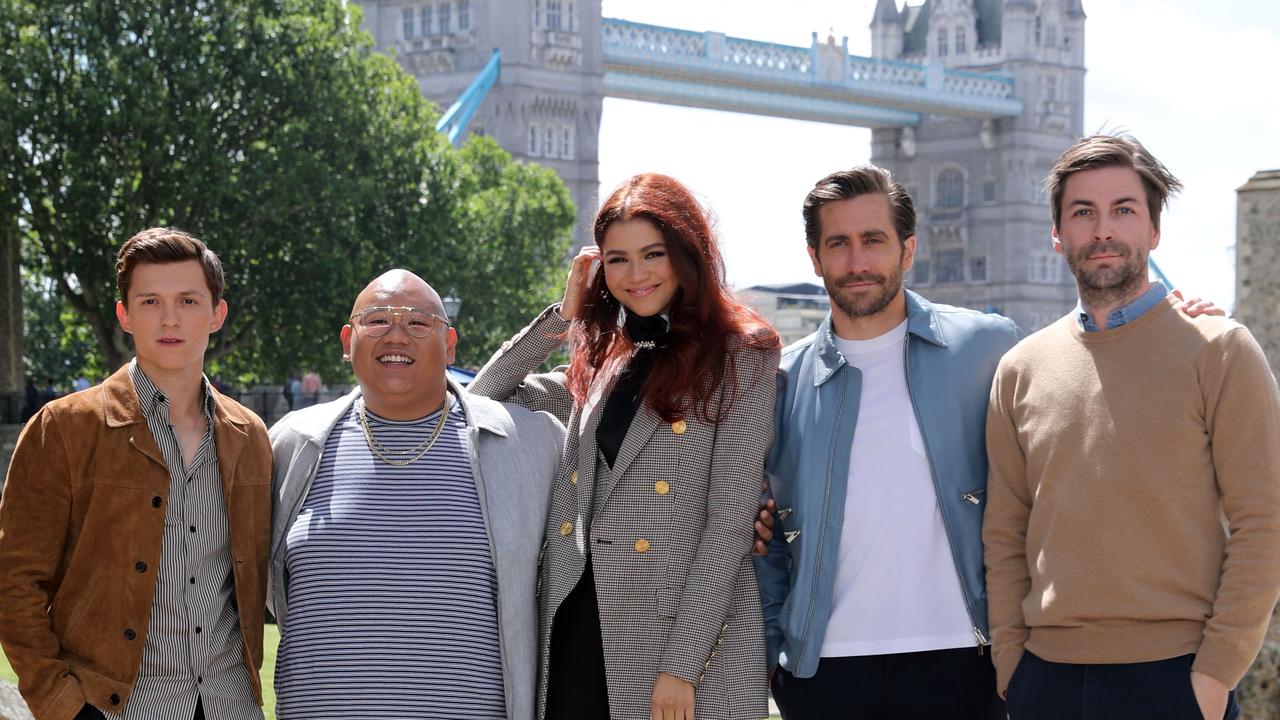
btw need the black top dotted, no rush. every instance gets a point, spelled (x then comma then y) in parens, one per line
(621, 405)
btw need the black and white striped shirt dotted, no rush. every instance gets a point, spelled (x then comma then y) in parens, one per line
(391, 584)
(193, 649)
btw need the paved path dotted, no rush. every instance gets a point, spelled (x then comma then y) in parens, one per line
(11, 705)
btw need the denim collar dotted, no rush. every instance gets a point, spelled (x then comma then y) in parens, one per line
(922, 322)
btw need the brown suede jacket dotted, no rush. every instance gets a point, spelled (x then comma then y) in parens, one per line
(84, 502)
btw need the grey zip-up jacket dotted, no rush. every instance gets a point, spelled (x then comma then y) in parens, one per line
(514, 455)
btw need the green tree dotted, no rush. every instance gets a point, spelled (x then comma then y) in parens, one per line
(272, 130)
(59, 344)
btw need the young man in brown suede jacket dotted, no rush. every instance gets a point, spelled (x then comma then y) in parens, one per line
(136, 517)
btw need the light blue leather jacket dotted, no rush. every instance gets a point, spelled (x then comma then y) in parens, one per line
(951, 357)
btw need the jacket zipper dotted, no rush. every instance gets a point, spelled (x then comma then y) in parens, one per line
(826, 508)
(937, 490)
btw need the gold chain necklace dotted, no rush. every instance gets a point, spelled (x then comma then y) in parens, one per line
(381, 452)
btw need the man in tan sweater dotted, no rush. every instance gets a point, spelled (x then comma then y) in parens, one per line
(1132, 534)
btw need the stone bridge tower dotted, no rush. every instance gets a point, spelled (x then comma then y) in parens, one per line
(547, 102)
(1258, 261)
(984, 223)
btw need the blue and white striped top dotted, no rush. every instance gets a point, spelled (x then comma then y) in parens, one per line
(391, 584)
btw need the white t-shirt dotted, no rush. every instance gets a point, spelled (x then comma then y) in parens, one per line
(896, 587)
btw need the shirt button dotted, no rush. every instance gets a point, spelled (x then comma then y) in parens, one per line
(129, 634)
(193, 528)
(566, 528)
(662, 487)
(678, 427)
(642, 545)
(155, 501)
(193, 581)
(198, 629)
(140, 566)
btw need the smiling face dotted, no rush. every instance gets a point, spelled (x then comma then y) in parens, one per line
(861, 261)
(1106, 233)
(401, 377)
(637, 267)
(170, 312)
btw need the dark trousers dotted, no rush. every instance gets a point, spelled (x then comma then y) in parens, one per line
(1158, 690)
(957, 684)
(576, 685)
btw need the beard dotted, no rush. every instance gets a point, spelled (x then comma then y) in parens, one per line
(855, 304)
(1107, 284)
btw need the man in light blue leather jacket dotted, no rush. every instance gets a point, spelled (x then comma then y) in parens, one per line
(873, 588)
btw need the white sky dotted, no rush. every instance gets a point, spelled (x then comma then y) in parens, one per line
(1195, 81)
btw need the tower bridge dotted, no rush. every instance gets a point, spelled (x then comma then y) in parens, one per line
(969, 103)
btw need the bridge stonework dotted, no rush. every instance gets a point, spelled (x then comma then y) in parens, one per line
(969, 101)
(1258, 259)
(546, 105)
(983, 219)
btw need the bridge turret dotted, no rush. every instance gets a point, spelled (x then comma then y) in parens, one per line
(886, 31)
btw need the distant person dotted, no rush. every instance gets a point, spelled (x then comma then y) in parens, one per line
(291, 389)
(49, 392)
(134, 561)
(31, 400)
(311, 387)
(80, 383)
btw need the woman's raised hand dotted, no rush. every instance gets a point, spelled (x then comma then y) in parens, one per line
(579, 283)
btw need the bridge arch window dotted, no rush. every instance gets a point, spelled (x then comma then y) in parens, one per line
(549, 148)
(535, 140)
(406, 23)
(949, 189)
(961, 41)
(553, 15)
(446, 18)
(424, 19)
(566, 142)
(942, 42)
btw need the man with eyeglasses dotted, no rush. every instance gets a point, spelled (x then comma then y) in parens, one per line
(406, 531)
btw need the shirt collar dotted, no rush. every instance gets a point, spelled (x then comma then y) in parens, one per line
(153, 400)
(1127, 314)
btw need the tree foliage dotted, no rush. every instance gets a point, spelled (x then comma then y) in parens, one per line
(272, 130)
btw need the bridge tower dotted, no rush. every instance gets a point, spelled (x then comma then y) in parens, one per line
(984, 223)
(547, 102)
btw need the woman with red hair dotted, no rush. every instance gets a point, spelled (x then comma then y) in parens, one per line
(647, 595)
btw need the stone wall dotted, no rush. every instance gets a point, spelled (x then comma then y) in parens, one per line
(1258, 261)
(1258, 307)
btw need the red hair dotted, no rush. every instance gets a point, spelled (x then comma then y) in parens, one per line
(704, 315)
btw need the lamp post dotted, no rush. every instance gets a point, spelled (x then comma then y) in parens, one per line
(452, 305)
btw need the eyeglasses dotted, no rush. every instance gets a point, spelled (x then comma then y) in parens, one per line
(377, 321)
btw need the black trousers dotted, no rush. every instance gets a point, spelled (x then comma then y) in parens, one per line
(1158, 690)
(957, 684)
(576, 685)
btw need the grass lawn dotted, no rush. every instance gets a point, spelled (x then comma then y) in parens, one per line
(270, 640)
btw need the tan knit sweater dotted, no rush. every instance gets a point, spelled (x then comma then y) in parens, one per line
(1134, 495)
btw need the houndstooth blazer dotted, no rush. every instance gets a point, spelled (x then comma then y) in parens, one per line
(670, 529)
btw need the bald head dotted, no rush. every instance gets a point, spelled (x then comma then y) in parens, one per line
(399, 288)
(402, 375)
